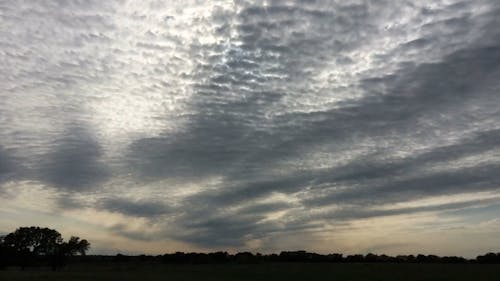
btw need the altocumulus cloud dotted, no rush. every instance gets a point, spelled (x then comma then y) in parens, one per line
(256, 124)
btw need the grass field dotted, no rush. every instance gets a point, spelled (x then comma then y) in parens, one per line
(265, 271)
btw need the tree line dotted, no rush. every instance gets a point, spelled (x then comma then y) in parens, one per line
(298, 256)
(36, 246)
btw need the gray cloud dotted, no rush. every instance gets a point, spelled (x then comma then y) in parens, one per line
(322, 104)
(396, 110)
(134, 208)
(357, 213)
(74, 164)
(67, 201)
(221, 231)
(7, 165)
(461, 181)
(121, 229)
(232, 135)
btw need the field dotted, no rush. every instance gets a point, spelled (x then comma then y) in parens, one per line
(254, 272)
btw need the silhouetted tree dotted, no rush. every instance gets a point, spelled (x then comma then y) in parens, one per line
(76, 246)
(67, 249)
(355, 258)
(28, 245)
(35, 240)
(489, 258)
(4, 254)
(371, 258)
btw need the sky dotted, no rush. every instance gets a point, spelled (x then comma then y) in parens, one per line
(328, 126)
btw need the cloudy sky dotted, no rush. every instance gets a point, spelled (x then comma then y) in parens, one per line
(330, 126)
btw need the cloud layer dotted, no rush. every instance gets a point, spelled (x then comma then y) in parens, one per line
(255, 124)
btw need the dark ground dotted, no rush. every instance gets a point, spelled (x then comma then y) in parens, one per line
(264, 271)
